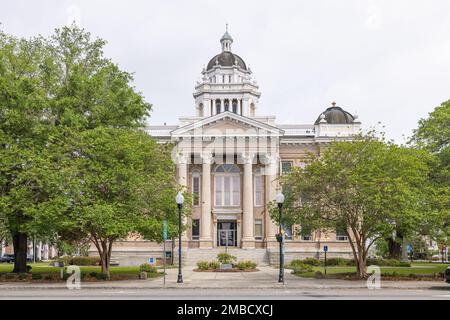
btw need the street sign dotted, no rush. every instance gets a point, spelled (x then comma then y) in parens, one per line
(325, 248)
(409, 248)
(165, 230)
(152, 260)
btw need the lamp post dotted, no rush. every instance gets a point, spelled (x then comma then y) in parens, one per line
(180, 200)
(280, 199)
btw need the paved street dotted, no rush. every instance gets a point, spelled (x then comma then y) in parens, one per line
(222, 286)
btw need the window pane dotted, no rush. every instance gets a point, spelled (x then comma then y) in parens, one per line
(258, 229)
(195, 229)
(286, 166)
(218, 188)
(196, 190)
(236, 190)
(258, 190)
(227, 189)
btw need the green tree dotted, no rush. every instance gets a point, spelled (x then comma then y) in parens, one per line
(50, 88)
(433, 134)
(367, 187)
(123, 184)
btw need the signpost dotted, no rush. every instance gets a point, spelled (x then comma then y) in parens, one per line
(325, 249)
(164, 255)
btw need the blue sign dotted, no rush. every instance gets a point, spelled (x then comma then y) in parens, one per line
(409, 248)
(325, 248)
(152, 260)
(165, 230)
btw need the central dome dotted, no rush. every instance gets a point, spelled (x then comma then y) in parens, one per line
(336, 115)
(226, 59)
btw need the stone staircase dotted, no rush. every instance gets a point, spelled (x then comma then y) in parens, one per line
(260, 256)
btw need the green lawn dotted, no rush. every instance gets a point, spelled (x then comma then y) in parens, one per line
(46, 268)
(422, 268)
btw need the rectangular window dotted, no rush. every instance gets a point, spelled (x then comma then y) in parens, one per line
(258, 229)
(286, 166)
(258, 191)
(195, 229)
(341, 235)
(196, 190)
(227, 190)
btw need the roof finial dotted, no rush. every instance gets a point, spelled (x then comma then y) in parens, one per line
(333, 103)
(226, 27)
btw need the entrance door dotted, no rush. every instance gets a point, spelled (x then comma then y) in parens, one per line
(226, 234)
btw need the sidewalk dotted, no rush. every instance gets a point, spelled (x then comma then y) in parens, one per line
(266, 278)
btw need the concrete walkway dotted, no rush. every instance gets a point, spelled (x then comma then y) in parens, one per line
(266, 278)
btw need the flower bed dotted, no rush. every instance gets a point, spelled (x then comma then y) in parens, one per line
(226, 263)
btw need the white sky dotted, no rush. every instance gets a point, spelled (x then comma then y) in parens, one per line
(387, 60)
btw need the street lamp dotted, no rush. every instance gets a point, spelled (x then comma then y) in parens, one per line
(280, 199)
(180, 200)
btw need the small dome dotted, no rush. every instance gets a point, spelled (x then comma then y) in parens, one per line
(226, 59)
(335, 115)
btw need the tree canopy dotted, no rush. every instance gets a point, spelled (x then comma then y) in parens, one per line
(367, 187)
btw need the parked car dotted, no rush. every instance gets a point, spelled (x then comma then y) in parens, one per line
(447, 275)
(7, 258)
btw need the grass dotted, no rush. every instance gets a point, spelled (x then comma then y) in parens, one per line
(45, 268)
(418, 269)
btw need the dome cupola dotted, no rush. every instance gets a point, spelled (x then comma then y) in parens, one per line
(335, 115)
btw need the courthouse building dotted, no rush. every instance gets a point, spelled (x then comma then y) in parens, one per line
(229, 157)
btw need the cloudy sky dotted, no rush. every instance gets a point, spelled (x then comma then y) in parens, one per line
(389, 61)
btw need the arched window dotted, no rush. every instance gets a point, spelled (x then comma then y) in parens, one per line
(227, 104)
(218, 106)
(227, 185)
(235, 106)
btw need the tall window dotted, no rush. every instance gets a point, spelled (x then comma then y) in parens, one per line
(258, 229)
(235, 106)
(227, 105)
(196, 188)
(227, 185)
(287, 231)
(258, 187)
(195, 229)
(218, 106)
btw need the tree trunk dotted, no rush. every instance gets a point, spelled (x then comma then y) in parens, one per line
(394, 249)
(105, 258)
(20, 244)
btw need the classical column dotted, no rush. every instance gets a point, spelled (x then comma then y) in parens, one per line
(182, 180)
(270, 171)
(205, 222)
(248, 239)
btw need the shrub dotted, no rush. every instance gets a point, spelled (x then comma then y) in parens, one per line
(67, 260)
(387, 262)
(246, 265)
(29, 268)
(214, 265)
(226, 258)
(48, 277)
(302, 268)
(85, 261)
(337, 262)
(311, 261)
(146, 267)
(101, 276)
(318, 275)
(36, 276)
(203, 265)
(93, 274)
(23, 276)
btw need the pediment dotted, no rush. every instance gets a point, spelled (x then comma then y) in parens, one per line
(227, 124)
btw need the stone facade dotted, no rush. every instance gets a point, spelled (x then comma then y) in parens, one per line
(230, 158)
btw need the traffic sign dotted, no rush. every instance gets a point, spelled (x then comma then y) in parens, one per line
(325, 248)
